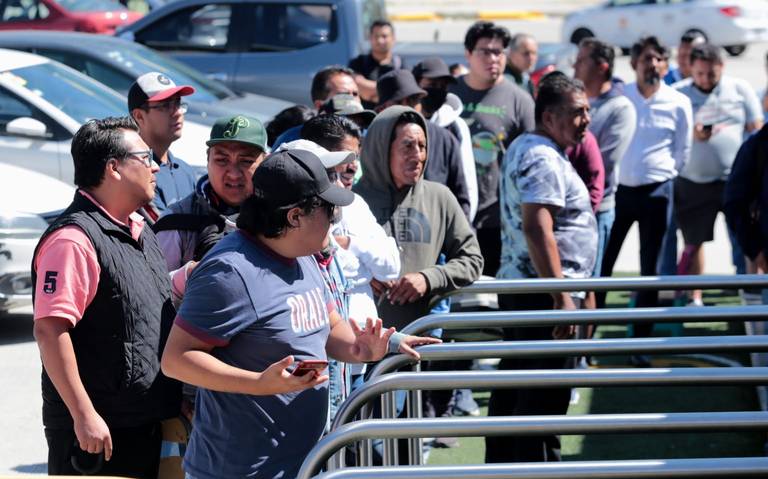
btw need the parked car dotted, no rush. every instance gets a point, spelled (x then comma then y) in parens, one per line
(270, 47)
(42, 105)
(727, 23)
(94, 16)
(28, 202)
(117, 63)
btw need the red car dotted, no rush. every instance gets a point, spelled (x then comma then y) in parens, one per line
(92, 16)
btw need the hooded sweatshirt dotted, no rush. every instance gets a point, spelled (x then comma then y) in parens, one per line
(449, 116)
(424, 219)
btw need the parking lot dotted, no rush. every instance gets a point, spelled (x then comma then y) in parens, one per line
(23, 447)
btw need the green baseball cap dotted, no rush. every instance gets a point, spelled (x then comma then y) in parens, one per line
(239, 128)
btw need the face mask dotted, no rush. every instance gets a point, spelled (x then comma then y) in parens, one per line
(434, 99)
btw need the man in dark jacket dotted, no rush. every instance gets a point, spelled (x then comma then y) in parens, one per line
(399, 87)
(103, 312)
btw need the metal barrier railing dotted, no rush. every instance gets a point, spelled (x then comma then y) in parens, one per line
(551, 285)
(529, 425)
(719, 468)
(507, 319)
(573, 347)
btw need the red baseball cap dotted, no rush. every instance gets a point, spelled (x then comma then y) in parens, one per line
(154, 86)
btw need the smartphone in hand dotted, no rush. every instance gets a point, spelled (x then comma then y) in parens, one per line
(315, 366)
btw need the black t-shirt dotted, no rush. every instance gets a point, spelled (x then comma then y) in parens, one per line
(371, 69)
(495, 117)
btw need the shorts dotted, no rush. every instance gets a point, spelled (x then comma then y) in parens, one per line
(696, 208)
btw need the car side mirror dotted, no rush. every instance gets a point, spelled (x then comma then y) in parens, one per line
(26, 126)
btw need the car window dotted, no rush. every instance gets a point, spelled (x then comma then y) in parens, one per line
(24, 10)
(98, 70)
(281, 27)
(196, 28)
(80, 98)
(372, 10)
(91, 5)
(12, 107)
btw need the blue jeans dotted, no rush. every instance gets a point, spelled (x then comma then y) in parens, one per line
(604, 224)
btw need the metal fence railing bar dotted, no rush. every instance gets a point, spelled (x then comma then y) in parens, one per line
(574, 347)
(544, 378)
(506, 319)
(737, 467)
(529, 425)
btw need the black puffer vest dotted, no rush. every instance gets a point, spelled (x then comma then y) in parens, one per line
(119, 340)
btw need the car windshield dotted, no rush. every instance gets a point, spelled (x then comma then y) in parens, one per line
(77, 96)
(91, 5)
(144, 60)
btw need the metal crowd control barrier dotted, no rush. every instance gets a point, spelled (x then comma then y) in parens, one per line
(506, 319)
(529, 425)
(736, 467)
(551, 318)
(551, 285)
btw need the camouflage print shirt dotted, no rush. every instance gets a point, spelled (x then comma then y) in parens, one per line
(535, 170)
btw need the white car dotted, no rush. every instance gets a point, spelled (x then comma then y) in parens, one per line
(28, 201)
(42, 105)
(731, 24)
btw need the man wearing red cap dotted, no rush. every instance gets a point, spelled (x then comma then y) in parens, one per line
(154, 103)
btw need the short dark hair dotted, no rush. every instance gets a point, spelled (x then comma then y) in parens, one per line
(288, 118)
(94, 144)
(648, 42)
(329, 131)
(320, 90)
(692, 36)
(258, 217)
(706, 52)
(379, 24)
(406, 118)
(485, 30)
(600, 52)
(553, 89)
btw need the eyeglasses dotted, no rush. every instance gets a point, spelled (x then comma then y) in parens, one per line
(170, 106)
(144, 156)
(490, 52)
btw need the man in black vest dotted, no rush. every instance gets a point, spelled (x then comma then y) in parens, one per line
(103, 312)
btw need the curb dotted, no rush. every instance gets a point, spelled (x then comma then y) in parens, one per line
(479, 15)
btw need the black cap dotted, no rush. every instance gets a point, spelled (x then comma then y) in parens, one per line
(397, 85)
(291, 176)
(432, 67)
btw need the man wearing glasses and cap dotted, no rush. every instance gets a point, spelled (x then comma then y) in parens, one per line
(154, 103)
(102, 309)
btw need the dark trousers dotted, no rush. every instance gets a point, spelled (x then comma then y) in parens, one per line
(651, 206)
(489, 240)
(135, 453)
(527, 402)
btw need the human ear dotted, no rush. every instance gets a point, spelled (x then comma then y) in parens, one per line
(294, 217)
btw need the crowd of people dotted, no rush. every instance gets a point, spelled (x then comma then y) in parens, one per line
(311, 240)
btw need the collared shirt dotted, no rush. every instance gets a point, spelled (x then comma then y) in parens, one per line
(661, 145)
(175, 181)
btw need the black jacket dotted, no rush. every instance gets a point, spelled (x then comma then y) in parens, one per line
(119, 340)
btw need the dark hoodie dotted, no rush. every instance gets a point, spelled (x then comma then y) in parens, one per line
(425, 219)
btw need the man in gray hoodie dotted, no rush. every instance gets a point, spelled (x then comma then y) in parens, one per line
(424, 217)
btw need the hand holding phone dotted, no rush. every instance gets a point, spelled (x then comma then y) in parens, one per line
(315, 366)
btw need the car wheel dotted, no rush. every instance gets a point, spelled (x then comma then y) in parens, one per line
(735, 50)
(580, 34)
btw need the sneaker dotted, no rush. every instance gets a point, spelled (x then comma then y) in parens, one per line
(445, 442)
(575, 396)
(695, 302)
(464, 404)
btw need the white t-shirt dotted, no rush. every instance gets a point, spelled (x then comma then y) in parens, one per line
(661, 145)
(728, 108)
